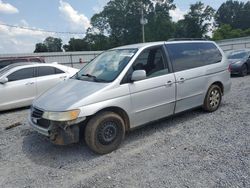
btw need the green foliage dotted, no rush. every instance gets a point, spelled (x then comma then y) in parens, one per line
(40, 47)
(234, 13)
(120, 21)
(119, 24)
(76, 45)
(50, 44)
(196, 22)
(53, 44)
(227, 32)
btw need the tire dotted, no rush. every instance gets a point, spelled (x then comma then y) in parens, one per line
(244, 70)
(105, 132)
(213, 99)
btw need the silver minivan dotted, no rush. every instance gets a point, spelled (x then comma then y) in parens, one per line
(129, 86)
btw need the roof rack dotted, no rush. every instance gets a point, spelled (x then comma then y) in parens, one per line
(181, 39)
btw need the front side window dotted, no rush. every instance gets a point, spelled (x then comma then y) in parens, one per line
(191, 55)
(152, 61)
(21, 74)
(107, 66)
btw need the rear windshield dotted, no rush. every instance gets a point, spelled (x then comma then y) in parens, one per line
(237, 55)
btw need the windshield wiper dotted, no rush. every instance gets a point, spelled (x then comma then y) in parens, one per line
(94, 78)
(89, 75)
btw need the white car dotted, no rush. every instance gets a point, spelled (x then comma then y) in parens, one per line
(20, 83)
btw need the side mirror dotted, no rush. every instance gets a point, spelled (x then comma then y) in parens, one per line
(3, 80)
(138, 75)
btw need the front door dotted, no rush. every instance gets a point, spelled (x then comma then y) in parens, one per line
(153, 97)
(19, 91)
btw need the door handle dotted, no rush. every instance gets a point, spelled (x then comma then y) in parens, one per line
(181, 80)
(63, 77)
(29, 83)
(169, 83)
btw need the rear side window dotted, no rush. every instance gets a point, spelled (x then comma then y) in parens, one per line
(191, 55)
(21, 74)
(45, 71)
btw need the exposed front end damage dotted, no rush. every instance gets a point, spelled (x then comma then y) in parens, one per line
(60, 133)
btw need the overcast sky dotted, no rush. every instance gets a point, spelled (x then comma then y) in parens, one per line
(57, 15)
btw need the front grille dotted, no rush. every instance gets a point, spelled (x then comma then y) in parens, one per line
(36, 113)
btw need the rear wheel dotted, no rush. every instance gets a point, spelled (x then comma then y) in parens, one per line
(213, 99)
(244, 70)
(104, 132)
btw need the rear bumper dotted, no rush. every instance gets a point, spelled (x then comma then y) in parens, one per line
(235, 69)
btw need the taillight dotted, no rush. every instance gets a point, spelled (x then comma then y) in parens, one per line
(229, 68)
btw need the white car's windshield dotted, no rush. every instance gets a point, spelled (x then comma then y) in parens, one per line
(107, 66)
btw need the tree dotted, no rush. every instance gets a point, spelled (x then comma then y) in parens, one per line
(76, 45)
(196, 22)
(160, 25)
(50, 44)
(227, 32)
(40, 47)
(53, 44)
(231, 13)
(120, 21)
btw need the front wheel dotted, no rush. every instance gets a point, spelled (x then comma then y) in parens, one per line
(104, 132)
(213, 99)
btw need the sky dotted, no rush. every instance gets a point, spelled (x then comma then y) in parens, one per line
(57, 15)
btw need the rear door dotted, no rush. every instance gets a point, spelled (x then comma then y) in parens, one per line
(19, 91)
(191, 64)
(153, 97)
(47, 77)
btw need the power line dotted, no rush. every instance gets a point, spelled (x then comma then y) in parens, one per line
(41, 30)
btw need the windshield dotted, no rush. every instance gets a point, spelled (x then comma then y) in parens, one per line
(107, 66)
(4, 70)
(237, 55)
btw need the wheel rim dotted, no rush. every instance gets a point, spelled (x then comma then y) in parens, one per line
(214, 98)
(107, 132)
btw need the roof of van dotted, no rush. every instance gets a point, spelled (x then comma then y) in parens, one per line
(148, 44)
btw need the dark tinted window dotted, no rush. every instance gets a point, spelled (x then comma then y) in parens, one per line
(4, 63)
(152, 61)
(45, 71)
(21, 74)
(58, 71)
(191, 55)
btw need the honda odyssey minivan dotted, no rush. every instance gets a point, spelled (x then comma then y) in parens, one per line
(129, 86)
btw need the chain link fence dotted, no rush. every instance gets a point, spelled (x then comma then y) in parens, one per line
(72, 59)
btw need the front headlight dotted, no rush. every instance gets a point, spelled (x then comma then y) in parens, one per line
(61, 116)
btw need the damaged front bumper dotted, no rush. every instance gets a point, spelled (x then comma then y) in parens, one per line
(60, 133)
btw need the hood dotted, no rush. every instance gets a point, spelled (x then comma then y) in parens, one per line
(66, 94)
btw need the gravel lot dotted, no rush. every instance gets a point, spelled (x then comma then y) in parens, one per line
(194, 149)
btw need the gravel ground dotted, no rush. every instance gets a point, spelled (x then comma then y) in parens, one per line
(194, 149)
